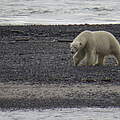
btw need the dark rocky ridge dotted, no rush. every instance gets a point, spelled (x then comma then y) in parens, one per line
(41, 54)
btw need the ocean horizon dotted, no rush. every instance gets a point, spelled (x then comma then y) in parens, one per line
(25, 12)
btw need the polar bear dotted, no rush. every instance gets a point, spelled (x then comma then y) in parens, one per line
(95, 45)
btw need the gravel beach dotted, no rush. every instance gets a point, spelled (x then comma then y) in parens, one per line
(36, 69)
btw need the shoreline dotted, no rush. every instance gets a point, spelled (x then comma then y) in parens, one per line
(47, 24)
(78, 24)
(36, 70)
(47, 96)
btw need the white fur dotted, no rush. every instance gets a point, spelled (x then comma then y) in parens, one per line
(95, 46)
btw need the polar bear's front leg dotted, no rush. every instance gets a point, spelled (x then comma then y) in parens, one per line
(78, 57)
(76, 60)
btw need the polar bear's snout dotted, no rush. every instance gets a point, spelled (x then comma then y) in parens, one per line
(72, 51)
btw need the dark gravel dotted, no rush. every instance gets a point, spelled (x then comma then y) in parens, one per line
(41, 54)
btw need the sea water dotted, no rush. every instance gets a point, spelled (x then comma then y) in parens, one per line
(59, 11)
(63, 114)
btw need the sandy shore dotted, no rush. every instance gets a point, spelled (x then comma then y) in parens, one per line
(58, 95)
(36, 70)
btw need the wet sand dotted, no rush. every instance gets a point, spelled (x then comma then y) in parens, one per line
(36, 70)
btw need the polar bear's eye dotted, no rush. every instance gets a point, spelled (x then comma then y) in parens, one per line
(80, 43)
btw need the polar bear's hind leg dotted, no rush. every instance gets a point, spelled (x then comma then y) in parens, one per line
(118, 59)
(100, 60)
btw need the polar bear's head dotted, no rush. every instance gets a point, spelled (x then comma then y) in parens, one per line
(75, 46)
(79, 42)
